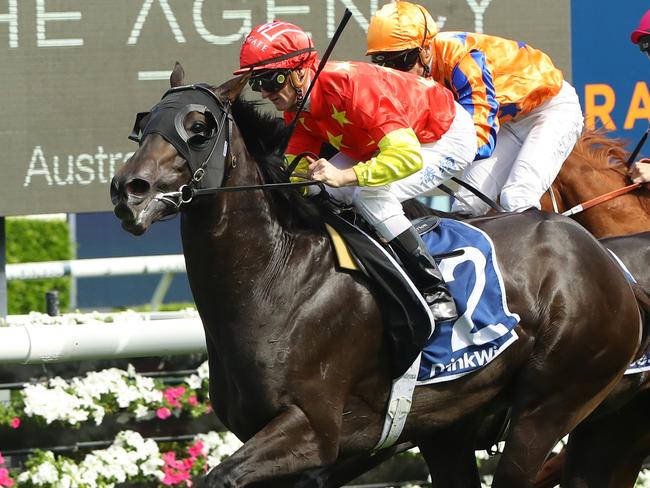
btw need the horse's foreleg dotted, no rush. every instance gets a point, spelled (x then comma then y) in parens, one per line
(609, 451)
(540, 418)
(284, 447)
(347, 469)
(449, 454)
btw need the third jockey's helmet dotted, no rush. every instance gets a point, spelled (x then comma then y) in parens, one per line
(398, 26)
(643, 29)
(276, 45)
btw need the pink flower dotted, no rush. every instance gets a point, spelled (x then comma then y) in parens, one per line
(163, 412)
(15, 423)
(176, 471)
(193, 401)
(5, 480)
(175, 478)
(169, 457)
(172, 394)
(196, 450)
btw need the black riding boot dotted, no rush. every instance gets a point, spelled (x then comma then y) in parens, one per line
(424, 272)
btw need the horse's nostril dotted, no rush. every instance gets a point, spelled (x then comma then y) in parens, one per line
(137, 187)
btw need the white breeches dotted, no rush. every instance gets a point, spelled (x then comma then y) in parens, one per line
(381, 205)
(528, 156)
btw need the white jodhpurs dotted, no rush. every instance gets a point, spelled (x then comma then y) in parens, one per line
(381, 205)
(528, 156)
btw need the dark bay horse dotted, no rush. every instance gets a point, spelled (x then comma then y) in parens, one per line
(608, 448)
(596, 166)
(298, 360)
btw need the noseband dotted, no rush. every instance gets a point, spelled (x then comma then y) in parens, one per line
(167, 118)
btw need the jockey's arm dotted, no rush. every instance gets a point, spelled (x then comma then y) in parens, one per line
(301, 141)
(471, 82)
(398, 157)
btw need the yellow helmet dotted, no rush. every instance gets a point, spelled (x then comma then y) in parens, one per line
(398, 26)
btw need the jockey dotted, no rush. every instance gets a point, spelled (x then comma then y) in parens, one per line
(641, 35)
(640, 170)
(398, 136)
(527, 117)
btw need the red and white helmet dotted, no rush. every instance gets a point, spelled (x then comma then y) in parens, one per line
(276, 45)
(643, 29)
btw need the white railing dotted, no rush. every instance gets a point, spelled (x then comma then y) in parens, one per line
(86, 268)
(29, 343)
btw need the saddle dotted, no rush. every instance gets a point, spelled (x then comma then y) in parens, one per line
(408, 322)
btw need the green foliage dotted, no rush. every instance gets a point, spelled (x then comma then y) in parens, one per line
(33, 241)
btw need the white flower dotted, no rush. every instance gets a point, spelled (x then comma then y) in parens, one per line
(194, 382)
(218, 445)
(53, 404)
(141, 411)
(204, 371)
(643, 481)
(45, 473)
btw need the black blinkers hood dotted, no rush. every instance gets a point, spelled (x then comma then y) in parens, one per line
(167, 119)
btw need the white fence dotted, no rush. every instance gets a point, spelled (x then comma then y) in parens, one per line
(90, 268)
(35, 343)
(87, 268)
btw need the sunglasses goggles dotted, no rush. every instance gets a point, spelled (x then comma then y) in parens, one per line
(270, 81)
(401, 60)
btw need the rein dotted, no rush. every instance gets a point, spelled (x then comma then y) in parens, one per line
(602, 198)
(610, 195)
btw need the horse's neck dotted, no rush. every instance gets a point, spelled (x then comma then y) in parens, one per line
(232, 224)
(238, 255)
(579, 181)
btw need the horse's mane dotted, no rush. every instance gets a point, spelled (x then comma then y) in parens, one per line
(265, 138)
(601, 151)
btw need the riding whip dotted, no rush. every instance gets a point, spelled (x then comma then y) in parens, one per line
(638, 148)
(346, 16)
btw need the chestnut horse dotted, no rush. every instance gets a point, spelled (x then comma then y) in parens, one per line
(596, 166)
(299, 365)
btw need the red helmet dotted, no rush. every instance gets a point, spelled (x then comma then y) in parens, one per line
(276, 45)
(643, 29)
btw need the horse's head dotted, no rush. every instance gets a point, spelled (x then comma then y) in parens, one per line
(183, 144)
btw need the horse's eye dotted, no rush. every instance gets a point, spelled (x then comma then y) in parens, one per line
(198, 127)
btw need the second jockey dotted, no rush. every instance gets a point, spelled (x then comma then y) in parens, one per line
(398, 135)
(527, 117)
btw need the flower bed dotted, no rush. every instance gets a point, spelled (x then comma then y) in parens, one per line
(130, 459)
(111, 391)
(98, 406)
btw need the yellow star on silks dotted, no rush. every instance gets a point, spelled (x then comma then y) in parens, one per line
(372, 142)
(336, 141)
(342, 66)
(339, 116)
(302, 121)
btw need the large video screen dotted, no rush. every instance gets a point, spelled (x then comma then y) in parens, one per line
(75, 72)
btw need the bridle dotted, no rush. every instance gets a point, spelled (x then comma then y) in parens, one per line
(167, 117)
(207, 165)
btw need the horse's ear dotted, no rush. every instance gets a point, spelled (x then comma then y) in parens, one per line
(178, 76)
(231, 89)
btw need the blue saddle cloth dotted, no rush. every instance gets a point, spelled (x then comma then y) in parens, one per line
(485, 326)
